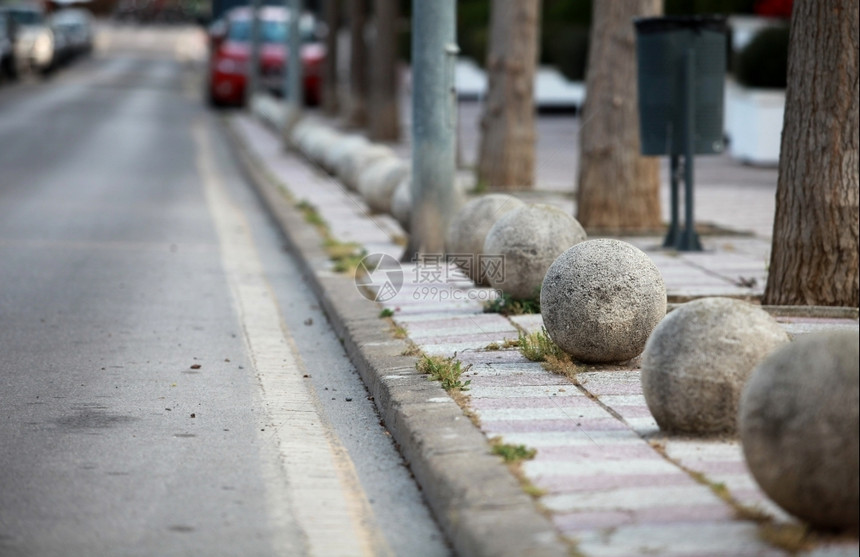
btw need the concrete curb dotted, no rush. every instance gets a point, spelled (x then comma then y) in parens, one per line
(476, 500)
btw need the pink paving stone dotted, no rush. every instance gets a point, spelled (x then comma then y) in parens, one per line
(613, 388)
(817, 320)
(633, 411)
(531, 402)
(492, 357)
(597, 520)
(501, 427)
(518, 380)
(688, 513)
(570, 522)
(611, 451)
(460, 321)
(738, 467)
(603, 482)
(486, 338)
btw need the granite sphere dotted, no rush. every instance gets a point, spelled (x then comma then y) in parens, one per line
(698, 360)
(377, 182)
(798, 423)
(601, 299)
(468, 230)
(336, 155)
(316, 143)
(528, 239)
(360, 158)
(401, 202)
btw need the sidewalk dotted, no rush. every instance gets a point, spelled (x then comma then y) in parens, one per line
(604, 480)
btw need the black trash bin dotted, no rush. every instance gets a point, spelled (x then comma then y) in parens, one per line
(664, 46)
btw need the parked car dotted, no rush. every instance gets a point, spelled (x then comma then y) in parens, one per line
(230, 51)
(75, 26)
(8, 38)
(35, 44)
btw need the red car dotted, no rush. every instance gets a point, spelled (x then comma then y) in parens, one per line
(230, 51)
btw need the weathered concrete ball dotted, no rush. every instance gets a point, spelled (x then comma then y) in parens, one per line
(698, 359)
(798, 423)
(317, 142)
(299, 131)
(337, 153)
(468, 230)
(528, 239)
(377, 182)
(601, 299)
(401, 202)
(358, 159)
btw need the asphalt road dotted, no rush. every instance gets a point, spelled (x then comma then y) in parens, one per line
(168, 385)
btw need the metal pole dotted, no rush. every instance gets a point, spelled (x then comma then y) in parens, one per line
(434, 119)
(691, 239)
(673, 236)
(254, 58)
(293, 90)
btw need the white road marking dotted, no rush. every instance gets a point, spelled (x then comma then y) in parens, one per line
(323, 490)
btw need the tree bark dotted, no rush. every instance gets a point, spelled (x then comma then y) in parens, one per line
(618, 189)
(385, 120)
(358, 78)
(814, 257)
(507, 151)
(330, 101)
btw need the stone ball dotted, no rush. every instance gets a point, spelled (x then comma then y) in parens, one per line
(468, 230)
(698, 359)
(338, 151)
(316, 143)
(601, 299)
(377, 182)
(401, 202)
(528, 239)
(299, 131)
(798, 424)
(358, 159)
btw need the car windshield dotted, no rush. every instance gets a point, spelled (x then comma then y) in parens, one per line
(26, 17)
(270, 31)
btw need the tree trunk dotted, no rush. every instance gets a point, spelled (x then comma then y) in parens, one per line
(330, 102)
(619, 190)
(507, 152)
(384, 121)
(815, 233)
(358, 78)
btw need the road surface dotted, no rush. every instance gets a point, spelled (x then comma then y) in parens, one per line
(168, 384)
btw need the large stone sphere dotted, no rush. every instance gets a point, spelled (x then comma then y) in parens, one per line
(528, 239)
(468, 230)
(358, 160)
(698, 359)
(316, 143)
(601, 299)
(798, 423)
(338, 152)
(401, 202)
(377, 182)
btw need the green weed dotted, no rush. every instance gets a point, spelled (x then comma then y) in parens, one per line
(508, 305)
(445, 370)
(511, 453)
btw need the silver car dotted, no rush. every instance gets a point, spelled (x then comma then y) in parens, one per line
(35, 44)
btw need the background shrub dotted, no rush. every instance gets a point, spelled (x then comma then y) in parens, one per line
(764, 61)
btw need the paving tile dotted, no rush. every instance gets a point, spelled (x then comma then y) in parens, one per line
(574, 438)
(633, 498)
(585, 467)
(518, 379)
(575, 484)
(725, 538)
(492, 416)
(568, 402)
